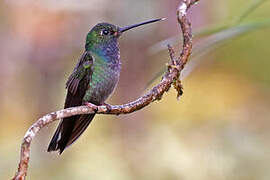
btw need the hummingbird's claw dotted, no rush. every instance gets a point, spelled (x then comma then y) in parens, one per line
(108, 106)
(92, 106)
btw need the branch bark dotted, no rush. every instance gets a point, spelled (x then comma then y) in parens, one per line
(171, 77)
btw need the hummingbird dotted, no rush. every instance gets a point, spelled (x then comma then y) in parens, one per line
(92, 80)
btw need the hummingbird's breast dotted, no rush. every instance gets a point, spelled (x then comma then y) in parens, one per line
(105, 76)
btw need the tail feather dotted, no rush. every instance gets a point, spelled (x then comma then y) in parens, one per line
(68, 131)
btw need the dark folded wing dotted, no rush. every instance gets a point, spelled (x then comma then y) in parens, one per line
(72, 127)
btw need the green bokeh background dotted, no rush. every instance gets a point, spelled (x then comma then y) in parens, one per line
(219, 129)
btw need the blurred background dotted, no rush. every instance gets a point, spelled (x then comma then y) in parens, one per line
(219, 129)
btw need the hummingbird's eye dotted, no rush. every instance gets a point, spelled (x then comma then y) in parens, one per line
(105, 32)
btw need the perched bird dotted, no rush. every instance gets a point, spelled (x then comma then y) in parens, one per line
(92, 80)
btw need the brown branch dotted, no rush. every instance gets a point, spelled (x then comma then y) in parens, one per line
(171, 77)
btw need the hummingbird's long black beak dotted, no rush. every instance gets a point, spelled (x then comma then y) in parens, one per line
(123, 29)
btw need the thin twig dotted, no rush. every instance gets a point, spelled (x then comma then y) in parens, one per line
(171, 77)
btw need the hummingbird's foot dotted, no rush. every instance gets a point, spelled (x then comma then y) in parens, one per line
(92, 106)
(108, 106)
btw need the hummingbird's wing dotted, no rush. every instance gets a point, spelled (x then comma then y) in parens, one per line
(83, 68)
(71, 128)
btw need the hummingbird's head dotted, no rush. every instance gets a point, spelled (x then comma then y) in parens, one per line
(100, 34)
(103, 33)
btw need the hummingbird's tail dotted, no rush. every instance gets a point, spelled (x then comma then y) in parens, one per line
(68, 131)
